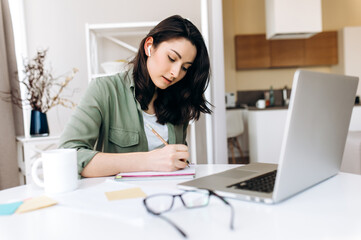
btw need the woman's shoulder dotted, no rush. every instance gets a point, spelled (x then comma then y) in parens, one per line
(122, 80)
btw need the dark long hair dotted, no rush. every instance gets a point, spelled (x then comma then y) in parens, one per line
(183, 101)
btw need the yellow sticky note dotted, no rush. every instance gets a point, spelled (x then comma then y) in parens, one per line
(125, 194)
(36, 203)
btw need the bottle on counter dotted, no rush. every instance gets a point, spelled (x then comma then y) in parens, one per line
(284, 96)
(266, 98)
(271, 97)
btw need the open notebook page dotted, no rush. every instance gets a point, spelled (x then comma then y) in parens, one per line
(188, 172)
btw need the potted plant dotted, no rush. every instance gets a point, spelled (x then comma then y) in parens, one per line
(43, 92)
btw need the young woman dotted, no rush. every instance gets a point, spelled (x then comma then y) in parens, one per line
(163, 88)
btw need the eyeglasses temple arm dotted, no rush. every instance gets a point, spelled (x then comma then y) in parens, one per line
(230, 205)
(174, 225)
(232, 216)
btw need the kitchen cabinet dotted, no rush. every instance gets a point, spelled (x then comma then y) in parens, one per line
(322, 49)
(351, 161)
(265, 133)
(254, 51)
(266, 128)
(287, 53)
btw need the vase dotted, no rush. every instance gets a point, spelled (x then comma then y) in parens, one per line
(38, 124)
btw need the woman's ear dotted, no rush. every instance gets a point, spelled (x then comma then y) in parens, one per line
(148, 45)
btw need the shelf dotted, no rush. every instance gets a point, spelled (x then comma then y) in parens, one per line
(111, 42)
(36, 139)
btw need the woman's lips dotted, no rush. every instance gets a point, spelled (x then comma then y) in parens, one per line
(167, 80)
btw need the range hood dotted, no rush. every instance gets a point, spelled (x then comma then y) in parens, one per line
(292, 19)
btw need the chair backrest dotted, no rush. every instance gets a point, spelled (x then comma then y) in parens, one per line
(235, 126)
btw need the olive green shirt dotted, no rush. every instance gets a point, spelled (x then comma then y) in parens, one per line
(109, 119)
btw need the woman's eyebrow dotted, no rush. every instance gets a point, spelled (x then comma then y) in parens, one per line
(180, 57)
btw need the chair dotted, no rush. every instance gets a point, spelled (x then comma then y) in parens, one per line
(235, 128)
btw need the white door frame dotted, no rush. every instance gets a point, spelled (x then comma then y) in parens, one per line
(212, 30)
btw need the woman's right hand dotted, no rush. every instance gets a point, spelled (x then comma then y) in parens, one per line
(172, 157)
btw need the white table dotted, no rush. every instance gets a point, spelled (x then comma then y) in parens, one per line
(330, 210)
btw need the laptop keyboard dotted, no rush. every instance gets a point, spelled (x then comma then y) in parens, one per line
(263, 183)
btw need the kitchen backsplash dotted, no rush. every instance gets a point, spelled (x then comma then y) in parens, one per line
(250, 98)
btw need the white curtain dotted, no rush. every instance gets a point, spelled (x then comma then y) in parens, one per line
(11, 123)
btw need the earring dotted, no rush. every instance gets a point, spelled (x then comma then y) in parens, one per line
(149, 50)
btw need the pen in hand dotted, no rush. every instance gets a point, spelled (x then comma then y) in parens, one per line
(160, 138)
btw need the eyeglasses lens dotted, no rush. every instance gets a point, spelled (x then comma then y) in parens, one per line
(195, 199)
(159, 203)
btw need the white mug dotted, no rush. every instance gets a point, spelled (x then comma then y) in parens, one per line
(60, 170)
(261, 103)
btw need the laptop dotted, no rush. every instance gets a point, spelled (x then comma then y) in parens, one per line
(315, 133)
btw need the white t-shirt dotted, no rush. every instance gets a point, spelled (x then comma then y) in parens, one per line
(153, 141)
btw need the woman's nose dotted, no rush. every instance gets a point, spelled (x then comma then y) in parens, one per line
(175, 71)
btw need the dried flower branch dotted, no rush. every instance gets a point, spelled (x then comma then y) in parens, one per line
(43, 91)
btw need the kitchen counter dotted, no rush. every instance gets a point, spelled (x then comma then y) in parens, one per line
(268, 108)
(253, 108)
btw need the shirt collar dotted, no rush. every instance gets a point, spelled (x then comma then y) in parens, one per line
(131, 86)
(130, 81)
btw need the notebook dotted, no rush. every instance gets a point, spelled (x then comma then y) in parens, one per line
(315, 133)
(186, 173)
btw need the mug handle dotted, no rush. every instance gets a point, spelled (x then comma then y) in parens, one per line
(34, 173)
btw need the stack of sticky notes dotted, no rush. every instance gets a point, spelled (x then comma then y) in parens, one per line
(125, 194)
(44, 201)
(26, 205)
(9, 208)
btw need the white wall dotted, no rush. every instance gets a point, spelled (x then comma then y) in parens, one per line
(349, 53)
(60, 26)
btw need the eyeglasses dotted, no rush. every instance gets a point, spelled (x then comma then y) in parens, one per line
(160, 203)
